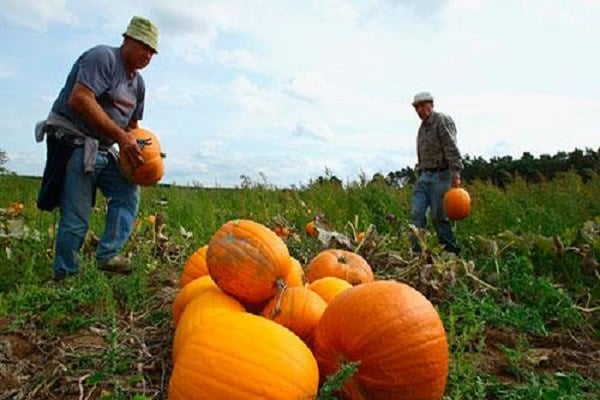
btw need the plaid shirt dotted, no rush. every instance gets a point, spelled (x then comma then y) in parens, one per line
(436, 144)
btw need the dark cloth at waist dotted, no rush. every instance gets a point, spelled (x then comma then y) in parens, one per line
(439, 169)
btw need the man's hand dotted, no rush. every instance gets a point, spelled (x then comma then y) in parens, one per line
(456, 182)
(130, 149)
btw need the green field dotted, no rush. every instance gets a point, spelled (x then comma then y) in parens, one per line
(521, 306)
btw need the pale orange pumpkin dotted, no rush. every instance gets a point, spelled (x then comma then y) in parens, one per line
(189, 292)
(199, 312)
(244, 356)
(343, 264)
(152, 170)
(248, 261)
(395, 334)
(299, 309)
(328, 287)
(457, 204)
(195, 266)
(296, 275)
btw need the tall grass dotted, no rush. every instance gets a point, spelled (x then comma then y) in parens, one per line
(532, 291)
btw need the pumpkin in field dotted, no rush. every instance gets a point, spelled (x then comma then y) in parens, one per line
(200, 311)
(457, 203)
(244, 356)
(328, 287)
(360, 236)
(299, 310)
(395, 334)
(248, 261)
(152, 170)
(296, 275)
(311, 229)
(189, 292)
(195, 267)
(343, 264)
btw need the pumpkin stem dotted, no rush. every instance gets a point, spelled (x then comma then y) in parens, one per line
(342, 259)
(281, 287)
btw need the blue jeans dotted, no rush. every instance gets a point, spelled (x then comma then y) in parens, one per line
(76, 203)
(429, 192)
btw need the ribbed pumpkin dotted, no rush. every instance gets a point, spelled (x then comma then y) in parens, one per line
(244, 356)
(152, 170)
(296, 275)
(328, 287)
(299, 310)
(457, 203)
(188, 293)
(195, 266)
(343, 264)
(397, 336)
(199, 312)
(248, 261)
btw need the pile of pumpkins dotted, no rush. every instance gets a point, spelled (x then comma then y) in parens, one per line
(252, 323)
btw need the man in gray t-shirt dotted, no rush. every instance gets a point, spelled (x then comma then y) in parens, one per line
(101, 101)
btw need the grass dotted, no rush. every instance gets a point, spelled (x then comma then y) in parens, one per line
(521, 315)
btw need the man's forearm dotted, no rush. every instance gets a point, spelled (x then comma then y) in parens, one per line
(83, 101)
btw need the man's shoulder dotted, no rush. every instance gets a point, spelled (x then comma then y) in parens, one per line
(102, 52)
(441, 116)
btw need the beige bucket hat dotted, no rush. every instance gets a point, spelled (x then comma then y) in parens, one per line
(144, 30)
(422, 97)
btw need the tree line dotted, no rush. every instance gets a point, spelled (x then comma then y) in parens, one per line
(500, 171)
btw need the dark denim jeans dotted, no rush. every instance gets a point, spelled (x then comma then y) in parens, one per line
(429, 192)
(76, 206)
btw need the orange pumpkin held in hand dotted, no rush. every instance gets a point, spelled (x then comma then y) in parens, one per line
(457, 204)
(152, 170)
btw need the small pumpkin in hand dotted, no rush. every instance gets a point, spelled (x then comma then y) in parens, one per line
(457, 204)
(153, 169)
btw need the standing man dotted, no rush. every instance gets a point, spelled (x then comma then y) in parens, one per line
(102, 99)
(439, 167)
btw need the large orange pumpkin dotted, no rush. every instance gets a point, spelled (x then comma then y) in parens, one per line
(296, 275)
(244, 356)
(195, 266)
(343, 264)
(152, 170)
(199, 312)
(457, 203)
(299, 309)
(397, 336)
(248, 261)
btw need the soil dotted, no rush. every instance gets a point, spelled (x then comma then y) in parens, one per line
(33, 367)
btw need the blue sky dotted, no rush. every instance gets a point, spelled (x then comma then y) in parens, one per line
(285, 90)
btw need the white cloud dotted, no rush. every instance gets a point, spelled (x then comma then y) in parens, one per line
(290, 88)
(316, 129)
(37, 14)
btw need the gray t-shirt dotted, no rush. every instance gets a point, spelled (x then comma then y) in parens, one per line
(101, 69)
